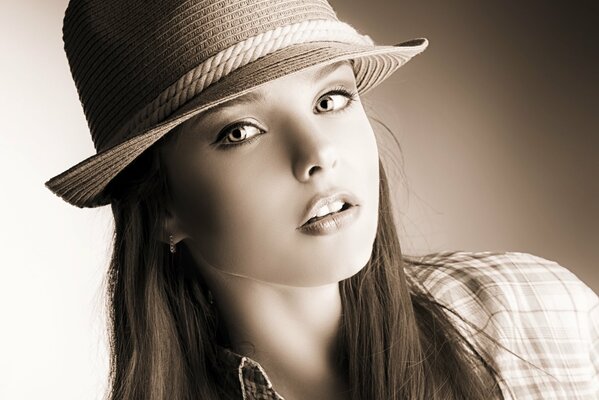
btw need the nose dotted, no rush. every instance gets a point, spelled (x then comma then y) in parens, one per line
(314, 151)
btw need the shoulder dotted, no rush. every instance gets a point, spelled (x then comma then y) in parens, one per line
(544, 318)
(489, 266)
(501, 281)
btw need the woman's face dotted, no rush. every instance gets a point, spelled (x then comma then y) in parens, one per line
(243, 176)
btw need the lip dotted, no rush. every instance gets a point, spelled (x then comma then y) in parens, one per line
(331, 223)
(326, 198)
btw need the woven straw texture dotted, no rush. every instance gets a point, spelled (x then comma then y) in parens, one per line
(141, 68)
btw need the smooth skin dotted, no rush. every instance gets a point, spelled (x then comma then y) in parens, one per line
(241, 175)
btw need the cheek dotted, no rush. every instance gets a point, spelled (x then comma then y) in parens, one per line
(364, 167)
(362, 158)
(366, 155)
(232, 211)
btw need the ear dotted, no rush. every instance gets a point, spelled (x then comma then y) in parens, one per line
(172, 226)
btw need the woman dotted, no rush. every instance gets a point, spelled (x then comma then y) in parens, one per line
(255, 256)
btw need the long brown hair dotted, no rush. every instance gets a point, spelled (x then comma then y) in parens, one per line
(395, 342)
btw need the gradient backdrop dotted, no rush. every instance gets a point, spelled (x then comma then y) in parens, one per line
(498, 127)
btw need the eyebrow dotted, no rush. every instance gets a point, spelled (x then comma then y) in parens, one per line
(258, 96)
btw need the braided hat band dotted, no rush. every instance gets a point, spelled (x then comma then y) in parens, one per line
(143, 67)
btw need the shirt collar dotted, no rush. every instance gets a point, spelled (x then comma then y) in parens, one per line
(251, 378)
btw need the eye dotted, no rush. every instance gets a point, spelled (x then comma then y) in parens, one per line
(337, 99)
(239, 133)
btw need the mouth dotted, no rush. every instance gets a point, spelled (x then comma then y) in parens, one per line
(344, 206)
(326, 205)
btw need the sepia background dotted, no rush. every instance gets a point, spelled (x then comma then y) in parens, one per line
(497, 122)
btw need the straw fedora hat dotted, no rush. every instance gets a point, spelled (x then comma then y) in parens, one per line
(143, 67)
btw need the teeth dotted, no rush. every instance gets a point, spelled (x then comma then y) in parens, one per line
(336, 206)
(330, 208)
(324, 210)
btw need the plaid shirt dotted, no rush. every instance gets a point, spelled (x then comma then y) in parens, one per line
(545, 319)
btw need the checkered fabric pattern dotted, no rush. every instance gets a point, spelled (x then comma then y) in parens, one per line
(531, 318)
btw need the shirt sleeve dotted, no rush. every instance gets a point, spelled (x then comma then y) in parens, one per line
(529, 317)
(573, 313)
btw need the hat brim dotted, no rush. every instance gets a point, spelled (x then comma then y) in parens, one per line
(84, 185)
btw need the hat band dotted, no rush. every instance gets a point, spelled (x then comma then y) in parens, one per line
(232, 58)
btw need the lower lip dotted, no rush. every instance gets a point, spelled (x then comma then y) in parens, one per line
(332, 223)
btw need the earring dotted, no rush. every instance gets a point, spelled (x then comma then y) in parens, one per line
(210, 297)
(171, 243)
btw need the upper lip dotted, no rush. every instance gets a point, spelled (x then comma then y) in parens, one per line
(325, 198)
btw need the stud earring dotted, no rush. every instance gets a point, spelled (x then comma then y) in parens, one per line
(171, 243)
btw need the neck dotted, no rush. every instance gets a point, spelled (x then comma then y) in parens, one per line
(290, 331)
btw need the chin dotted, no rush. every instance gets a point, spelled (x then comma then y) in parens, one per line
(353, 255)
(338, 264)
(355, 265)
(339, 269)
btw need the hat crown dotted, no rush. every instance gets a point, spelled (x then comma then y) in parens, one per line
(123, 53)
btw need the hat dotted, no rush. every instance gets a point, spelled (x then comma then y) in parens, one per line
(142, 67)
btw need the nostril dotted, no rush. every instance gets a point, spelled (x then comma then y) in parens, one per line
(313, 169)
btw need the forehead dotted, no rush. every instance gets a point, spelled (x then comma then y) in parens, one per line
(309, 75)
